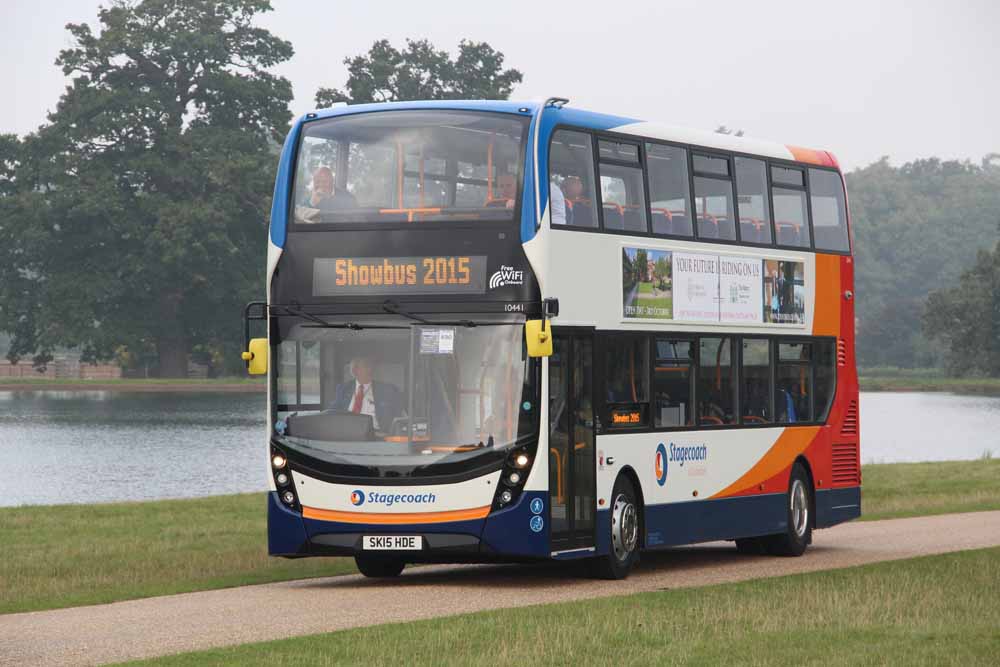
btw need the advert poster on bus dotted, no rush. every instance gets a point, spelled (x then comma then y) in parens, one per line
(784, 292)
(740, 290)
(696, 287)
(647, 283)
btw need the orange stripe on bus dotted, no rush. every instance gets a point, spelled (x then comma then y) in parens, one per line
(395, 517)
(826, 321)
(811, 156)
(791, 443)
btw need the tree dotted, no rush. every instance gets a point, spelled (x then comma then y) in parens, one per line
(141, 213)
(966, 318)
(421, 72)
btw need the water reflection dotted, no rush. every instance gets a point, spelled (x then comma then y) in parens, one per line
(102, 446)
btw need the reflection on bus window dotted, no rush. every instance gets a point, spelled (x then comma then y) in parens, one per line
(714, 203)
(829, 210)
(791, 220)
(793, 392)
(623, 198)
(669, 191)
(756, 380)
(672, 383)
(571, 180)
(751, 190)
(716, 388)
(627, 381)
(409, 166)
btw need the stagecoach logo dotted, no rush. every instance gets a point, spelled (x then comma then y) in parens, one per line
(507, 275)
(661, 465)
(357, 497)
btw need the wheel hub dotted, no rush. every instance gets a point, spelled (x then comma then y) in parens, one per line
(624, 527)
(800, 508)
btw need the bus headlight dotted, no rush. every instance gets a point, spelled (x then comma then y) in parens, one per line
(278, 461)
(288, 497)
(522, 460)
(282, 479)
(506, 496)
(514, 478)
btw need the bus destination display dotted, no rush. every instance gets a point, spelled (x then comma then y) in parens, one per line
(359, 276)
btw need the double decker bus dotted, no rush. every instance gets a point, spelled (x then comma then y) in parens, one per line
(502, 331)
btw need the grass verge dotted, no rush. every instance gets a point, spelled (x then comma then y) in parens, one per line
(71, 555)
(926, 611)
(894, 490)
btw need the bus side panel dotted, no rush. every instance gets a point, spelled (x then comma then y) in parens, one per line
(715, 519)
(512, 531)
(286, 536)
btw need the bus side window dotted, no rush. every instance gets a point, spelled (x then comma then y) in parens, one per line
(672, 383)
(829, 210)
(793, 393)
(826, 377)
(755, 399)
(571, 180)
(713, 198)
(626, 382)
(751, 193)
(623, 195)
(716, 382)
(669, 190)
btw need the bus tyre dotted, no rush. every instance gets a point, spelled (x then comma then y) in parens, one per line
(624, 538)
(798, 535)
(379, 568)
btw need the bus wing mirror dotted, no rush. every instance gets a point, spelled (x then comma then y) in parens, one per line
(538, 336)
(256, 356)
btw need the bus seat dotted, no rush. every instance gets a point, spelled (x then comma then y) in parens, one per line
(633, 220)
(680, 224)
(661, 223)
(708, 227)
(583, 214)
(788, 233)
(749, 231)
(613, 218)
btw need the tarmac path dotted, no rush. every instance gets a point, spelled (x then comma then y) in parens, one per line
(171, 624)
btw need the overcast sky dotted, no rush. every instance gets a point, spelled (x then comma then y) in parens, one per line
(862, 79)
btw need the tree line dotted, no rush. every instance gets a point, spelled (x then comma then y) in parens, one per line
(132, 221)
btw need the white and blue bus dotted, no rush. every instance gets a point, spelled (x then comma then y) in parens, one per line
(502, 331)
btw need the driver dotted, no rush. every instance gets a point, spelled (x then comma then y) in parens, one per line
(382, 401)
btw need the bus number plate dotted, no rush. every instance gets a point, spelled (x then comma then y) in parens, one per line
(393, 543)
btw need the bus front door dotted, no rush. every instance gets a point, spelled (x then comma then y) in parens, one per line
(571, 441)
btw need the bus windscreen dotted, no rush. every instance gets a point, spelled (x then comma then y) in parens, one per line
(409, 166)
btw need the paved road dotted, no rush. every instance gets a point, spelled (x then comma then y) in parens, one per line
(171, 624)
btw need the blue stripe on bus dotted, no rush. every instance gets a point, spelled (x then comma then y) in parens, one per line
(550, 118)
(285, 533)
(282, 187)
(835, 506)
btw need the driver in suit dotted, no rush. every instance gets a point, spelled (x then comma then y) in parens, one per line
(383, 402)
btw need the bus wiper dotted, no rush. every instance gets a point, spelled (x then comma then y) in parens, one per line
(295, 312)
(393, 308)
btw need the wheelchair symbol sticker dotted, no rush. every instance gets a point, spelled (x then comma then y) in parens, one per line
(537, 523)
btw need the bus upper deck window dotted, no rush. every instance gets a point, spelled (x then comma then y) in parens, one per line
(829, 210)
(572, 201)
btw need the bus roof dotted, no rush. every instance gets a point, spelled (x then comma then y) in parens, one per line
(608, 123)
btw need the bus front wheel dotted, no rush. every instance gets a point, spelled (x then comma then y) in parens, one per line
(624, 538)
(799, 505)
(379, 568)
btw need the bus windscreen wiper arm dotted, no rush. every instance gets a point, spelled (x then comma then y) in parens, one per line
(394, 309)
(295, 312)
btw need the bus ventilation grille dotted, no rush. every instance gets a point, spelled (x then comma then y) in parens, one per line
(845, 464)
(841, 353)
(850, 425)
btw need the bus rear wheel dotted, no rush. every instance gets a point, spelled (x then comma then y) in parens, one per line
(624, 551)
(798, 535)
(379, 568)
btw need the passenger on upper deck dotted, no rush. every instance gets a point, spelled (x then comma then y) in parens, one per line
(562, 197)
(325, 195)
(506, 192)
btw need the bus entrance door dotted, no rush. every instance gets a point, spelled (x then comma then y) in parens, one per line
(571, 441)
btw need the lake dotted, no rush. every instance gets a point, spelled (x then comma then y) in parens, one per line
(101, 446)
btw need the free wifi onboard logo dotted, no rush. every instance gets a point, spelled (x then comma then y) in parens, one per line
(660, 465)
(357, 497)
(507, 275)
